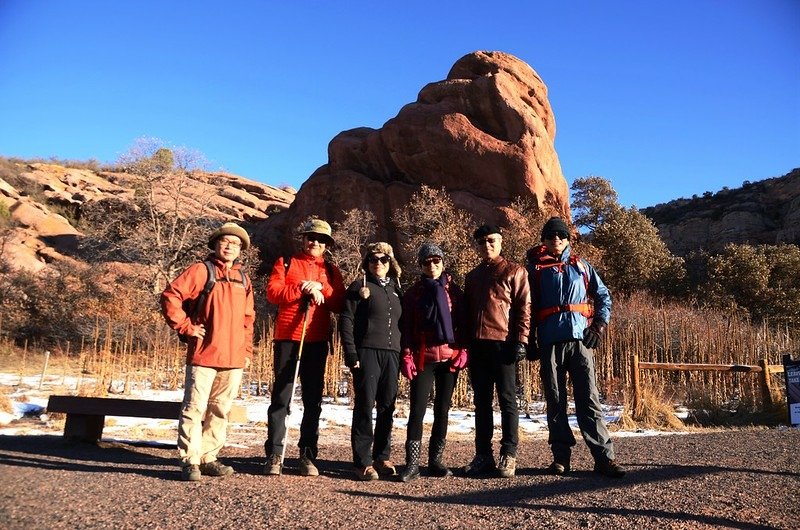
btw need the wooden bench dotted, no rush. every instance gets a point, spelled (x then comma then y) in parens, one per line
(86, 416)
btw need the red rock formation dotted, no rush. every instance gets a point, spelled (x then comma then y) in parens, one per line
(485, 134)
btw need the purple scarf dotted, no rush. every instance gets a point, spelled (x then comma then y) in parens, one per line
(435, 310)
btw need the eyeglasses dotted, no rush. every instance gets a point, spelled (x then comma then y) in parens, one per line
(230, 243)
(375, 259)
(322, 240)
(558, 233)
(435, 260)
(491, 240)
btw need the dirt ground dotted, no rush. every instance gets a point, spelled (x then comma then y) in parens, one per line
(720, 479)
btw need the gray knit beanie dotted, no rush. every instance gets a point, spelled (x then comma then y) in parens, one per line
(427, 250)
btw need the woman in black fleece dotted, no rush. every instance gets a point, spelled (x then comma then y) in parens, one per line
(371, 341)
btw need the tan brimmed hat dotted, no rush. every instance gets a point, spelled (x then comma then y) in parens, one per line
(317, 226)
(230, 229)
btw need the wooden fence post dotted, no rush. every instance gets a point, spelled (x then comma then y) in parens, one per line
(766, 383)
(637, 391)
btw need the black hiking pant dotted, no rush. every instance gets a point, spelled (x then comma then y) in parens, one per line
(311, 380)
(492, 365)
(375, 384)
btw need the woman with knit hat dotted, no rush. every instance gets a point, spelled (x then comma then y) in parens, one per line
(432, 355)
(369, 327)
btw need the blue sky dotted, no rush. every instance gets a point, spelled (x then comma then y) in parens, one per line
(665, 99)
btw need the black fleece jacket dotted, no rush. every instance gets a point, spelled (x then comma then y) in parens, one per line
(371, 322)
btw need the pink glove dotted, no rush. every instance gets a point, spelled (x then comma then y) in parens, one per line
(459, 361)
(407, 367)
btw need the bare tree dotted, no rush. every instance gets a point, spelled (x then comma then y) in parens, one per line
(524, 228)
(169, 218)
(352, 233)
(430, 215)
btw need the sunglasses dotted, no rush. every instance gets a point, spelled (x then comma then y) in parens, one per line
(318, 238)
(558, 233)
(432, 261)
(375, 259)
(491, 240)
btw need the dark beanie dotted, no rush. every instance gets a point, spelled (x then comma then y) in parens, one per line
(427, 250)
(486, 230)
(554, 224)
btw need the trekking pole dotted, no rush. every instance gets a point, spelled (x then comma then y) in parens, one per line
(304, 305)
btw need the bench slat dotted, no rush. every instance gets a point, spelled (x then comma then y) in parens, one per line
(137, 408)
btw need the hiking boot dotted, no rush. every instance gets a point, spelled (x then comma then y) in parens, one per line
(190, 473)
(411, 471)
(558, 468)
(366, 473)
(215, 469)
(609, 468)
(385, 468)
(307, 467)
(273, 465)
(480, 465)
(508, 466)
(436, 467)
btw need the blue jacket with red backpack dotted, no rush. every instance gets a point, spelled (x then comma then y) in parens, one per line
(566, 294)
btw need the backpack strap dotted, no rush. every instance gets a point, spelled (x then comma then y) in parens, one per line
(585, 308)
(211, 280)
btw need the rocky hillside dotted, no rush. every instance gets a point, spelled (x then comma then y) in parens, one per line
(763, 212)
(46, 200)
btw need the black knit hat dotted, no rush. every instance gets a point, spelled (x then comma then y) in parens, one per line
(554, 224)
(486, 230)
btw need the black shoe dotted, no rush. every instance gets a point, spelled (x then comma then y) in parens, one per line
(480, 465)
(216, 469)
(609, 468)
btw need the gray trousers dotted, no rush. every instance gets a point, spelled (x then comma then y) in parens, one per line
(573, 358)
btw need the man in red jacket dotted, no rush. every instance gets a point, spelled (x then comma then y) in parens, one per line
(219, 346)
(307, 281)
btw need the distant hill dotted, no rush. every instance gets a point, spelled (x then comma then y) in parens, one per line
(763, 212)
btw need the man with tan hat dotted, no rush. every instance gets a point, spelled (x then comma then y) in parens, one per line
(217, 324)
(306, 290)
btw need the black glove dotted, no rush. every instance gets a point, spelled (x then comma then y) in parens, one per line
(533, 350)
(350, 359)
(593, 334)
(520, 351)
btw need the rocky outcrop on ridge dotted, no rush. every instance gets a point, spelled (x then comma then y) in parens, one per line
(40, 234)
(763, 212)
(485, 134)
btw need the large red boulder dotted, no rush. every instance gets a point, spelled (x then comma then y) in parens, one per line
(485, 134)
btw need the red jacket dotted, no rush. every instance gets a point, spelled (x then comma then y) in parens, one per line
(227, 314)
(283, 290)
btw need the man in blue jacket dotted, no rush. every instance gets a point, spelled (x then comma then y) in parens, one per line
(571, 307)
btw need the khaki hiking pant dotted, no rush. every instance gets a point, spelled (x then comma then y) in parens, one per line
(207, 400)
